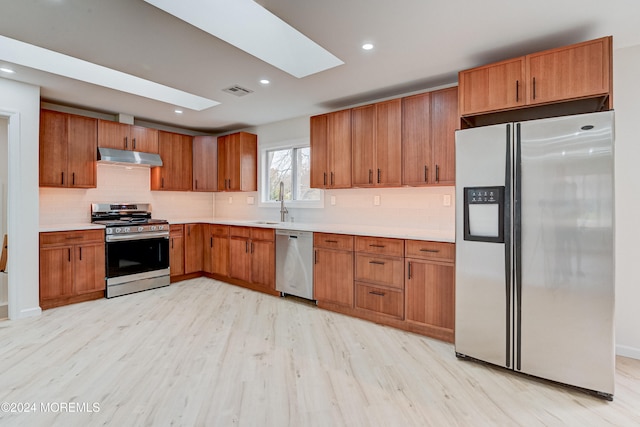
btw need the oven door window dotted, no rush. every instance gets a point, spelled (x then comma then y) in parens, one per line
(136, 256)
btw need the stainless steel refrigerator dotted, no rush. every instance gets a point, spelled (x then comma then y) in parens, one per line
(535, 249)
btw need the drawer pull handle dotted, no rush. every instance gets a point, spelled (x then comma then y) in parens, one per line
(331, 241)
(74, 237)
(434, 251)
(377, 246)
(376, 262)
(380, 294)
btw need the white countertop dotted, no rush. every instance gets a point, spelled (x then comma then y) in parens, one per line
(354, 229)
(70, 227)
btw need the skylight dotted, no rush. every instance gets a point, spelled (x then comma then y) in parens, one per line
(31, 56)
(252, 28)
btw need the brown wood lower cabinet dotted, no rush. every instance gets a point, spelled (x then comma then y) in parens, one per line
(72, 267)
(380, 300)
(176, 250)
(193, 248)
(252, 257)
(216, 250)
(333, 269)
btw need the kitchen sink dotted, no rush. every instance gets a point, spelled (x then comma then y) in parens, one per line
(266, 222)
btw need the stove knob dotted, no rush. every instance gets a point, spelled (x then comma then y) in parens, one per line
(140, 229)
(161, 227)
(109, 231)
(153, 228)
(118, 230)
(127, 229)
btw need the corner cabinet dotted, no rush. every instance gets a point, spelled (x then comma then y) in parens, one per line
(205, 163)
(331, 150)
(123, 136)
(238, 162)
(578, 71)
(429, 122)
(72, 267)
(68, 147)
(175, 174)
(376, 135)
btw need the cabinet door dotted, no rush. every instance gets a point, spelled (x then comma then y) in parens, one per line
(416, 139)
(223, 156)
(240, 267)
(363, 124)
(205, 163)
(176, 172)
(263, 263)
(569, 72)
(220, 255)
(193, 252)
(247, 162)
(83, 145)
(339, 155)
(56, 272)
(176, 255)
(89, 268)
(444, 122)
(143, 139)
(429, 293)
(54, 128)
(333, 277)
(319, 149)
(388, 146)
(492, 87)
(113, 135)
(233, 151)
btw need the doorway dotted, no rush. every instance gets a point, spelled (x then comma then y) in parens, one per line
(4, 187)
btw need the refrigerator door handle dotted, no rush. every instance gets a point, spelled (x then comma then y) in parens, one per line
(517, 247)
(507, 246)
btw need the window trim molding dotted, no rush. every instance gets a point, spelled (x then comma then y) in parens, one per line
(262, 163)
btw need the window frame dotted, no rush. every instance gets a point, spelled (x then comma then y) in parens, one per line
(263, 178)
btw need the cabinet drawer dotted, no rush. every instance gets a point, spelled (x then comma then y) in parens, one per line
(219, 230)
(71, 237)
(380, 245)
(380, 270)
(240, 232)
(263, 234)
(380, 300)
(437, 251)
(333, 241)
(176, 230)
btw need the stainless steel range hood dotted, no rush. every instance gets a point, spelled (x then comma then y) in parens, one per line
(124, 157)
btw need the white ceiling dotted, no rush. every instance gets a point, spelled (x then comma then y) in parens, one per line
(419, 44)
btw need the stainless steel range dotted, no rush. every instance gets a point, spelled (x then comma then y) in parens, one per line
(137, 247)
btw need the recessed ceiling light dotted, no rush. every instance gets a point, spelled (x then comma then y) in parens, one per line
(7, 70)
(178, 111)
(367, 46)
(262, 34)
(264, 82)
(38, 58)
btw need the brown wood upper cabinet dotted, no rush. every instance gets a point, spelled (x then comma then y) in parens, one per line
(176, 171)
(127, 137)
(429, 121)
(68, 146)
(238, 162)
(582, 70)
(205, 163)
(376, 136)
(331, 150)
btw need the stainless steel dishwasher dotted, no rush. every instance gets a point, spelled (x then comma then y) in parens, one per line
(294, 263)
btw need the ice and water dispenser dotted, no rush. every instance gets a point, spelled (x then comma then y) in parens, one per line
(484, 214)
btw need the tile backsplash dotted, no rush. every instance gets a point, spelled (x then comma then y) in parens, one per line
(117, 183)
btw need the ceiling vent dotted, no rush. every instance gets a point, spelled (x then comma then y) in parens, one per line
(237, 90)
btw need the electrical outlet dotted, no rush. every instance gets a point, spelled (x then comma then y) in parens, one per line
(446, 200)
(376, 200)
(250, 200)
(230, 200)
(333, 200)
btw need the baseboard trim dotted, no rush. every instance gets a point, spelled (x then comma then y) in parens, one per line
(29, 312)
(4, 311)
(626, 351)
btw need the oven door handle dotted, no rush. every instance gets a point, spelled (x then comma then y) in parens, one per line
(141, 236)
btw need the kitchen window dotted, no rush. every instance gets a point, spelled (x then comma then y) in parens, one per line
(291, 164)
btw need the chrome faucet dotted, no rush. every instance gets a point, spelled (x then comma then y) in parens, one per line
(283, 209)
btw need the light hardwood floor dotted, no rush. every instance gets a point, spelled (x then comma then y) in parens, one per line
(204, 353)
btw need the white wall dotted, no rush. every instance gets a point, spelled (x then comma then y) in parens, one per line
(21, 104)
(627, 157)
(420, 208)
(117, 183)
(4, 186)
